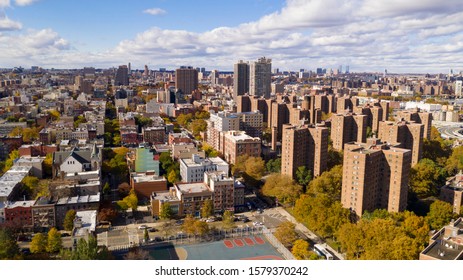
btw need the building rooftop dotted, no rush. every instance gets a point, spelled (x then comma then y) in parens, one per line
(196, 161)
(79, 199)
(85, 222)
(239, 136)
(164, 196)
(11, 178)
(191, 188)
(25, 203)
(447, 244)
(140, 178)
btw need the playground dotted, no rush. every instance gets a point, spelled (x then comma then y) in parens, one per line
(241, 248)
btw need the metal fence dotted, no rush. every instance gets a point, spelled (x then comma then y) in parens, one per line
(217, 235)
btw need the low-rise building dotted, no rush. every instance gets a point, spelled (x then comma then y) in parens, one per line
(186, 150)
(43, 214)
(192, 196)
(446, 244)
(223, 188)
(452, 192)
(77, 203)
(10, 182)
(158, 199)
(19, 213)
(146, 183)
(192, 169)
(238, 143)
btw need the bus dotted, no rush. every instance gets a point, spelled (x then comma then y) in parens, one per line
(322, 252)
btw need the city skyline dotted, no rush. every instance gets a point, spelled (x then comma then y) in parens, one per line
(367, 35)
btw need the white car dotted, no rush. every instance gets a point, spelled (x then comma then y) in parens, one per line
(143, 227)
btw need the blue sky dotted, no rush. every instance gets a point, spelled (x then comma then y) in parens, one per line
(369, 35)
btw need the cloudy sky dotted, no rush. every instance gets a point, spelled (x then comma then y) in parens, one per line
(424, 36)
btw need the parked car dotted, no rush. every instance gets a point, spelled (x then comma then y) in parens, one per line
(143, 227)
(152, 229)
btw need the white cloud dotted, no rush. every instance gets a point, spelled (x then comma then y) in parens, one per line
(24, 2)
(4, 3)
(368, 35)
(7, 24)
(154, 11)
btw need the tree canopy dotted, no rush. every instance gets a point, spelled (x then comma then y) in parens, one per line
(54, 242)
(440, 213)
(9, 249)
(166, 212)
(286, 233)
(282, 187)
(425, 178)
(68, 223)
(207, 209)
(38, 244)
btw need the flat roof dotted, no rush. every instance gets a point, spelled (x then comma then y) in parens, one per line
(206, 161)
(193, 188)
(88, 219)
(26, 203)
(444, 250)
(139, 178)
(12, 178)
(79, 199)
(164, 196)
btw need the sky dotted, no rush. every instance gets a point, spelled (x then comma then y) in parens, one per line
(424, 36)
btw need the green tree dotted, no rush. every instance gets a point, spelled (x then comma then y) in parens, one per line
(282, 187)
(173, 176)
(254, 167)
(166, 212)
(455, 162)
(38, 243)
(329, 184)
(425, 178)
(202, 115)
(198, 126)
(10, 160)
(189, 224)
(239, 166)
(440, 214)
(30, 183)
(54, 242)
(286, 233)
(47, 165)
(209, 150)
(207, 209)
(369, 132)
(300, 250)
(303, 176)
(274, 165)
(106, 188)
(68, 223)
(54, 115)
(146, 235)
(201, 228)
(78, 120)
(166, 161)
(131, 200)
(228, 220)
(184, 119)
(87, 250)
(9, 249)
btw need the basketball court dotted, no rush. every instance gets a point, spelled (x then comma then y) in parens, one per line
(241, 248)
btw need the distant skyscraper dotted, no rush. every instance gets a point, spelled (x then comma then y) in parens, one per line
(214, 77)
(186, 79)
(130, 68)
(241, 79)
(347, 69)
(260, 77)
(146, 72)
(122, 76)
(458, 88)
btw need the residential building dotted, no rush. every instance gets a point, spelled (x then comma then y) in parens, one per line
(122, 76)
(446, 244)
(260, 77)
(186, 80)
(452, 192)
(43, 214)
(347, 127)
(10, 182)
(186, 150)
(304, 145)
(238, 143)
(223, 190)
(375, 176)
(154, 135)
(77, 203)
(19, 213)
(424, 118)
(192, 169)
(240, 79)
(158, 199)
(146, 183)
(407, 135)
(192, 196)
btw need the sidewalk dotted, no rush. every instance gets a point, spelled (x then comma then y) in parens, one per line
(300, 227)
